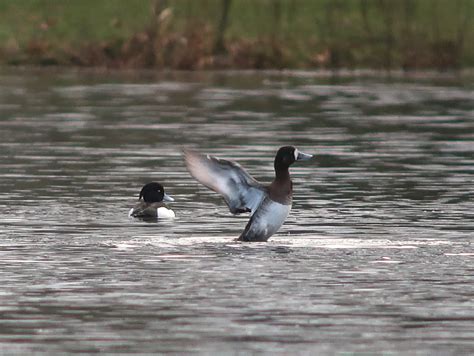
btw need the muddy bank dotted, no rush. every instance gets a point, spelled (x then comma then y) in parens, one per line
(272, 35)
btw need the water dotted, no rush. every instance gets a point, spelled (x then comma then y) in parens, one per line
(376, 256)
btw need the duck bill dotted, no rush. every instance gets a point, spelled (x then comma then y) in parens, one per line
(166, 197)
(303, 156)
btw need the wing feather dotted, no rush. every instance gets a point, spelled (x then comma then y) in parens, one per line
(240, 190)
(143, 210)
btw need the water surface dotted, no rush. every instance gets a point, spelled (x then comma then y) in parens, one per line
(375, 257)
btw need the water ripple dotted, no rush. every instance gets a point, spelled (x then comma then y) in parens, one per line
(375, 257)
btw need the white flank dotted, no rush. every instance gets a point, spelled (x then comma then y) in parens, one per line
(269, 219)
(164, 213)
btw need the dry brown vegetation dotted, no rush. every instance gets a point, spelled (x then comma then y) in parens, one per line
(293, 34)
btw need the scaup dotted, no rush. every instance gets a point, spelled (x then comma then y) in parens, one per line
(268, 205)
(151, 204)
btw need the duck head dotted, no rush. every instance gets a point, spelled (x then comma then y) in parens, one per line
(153, 193)
(287, 155)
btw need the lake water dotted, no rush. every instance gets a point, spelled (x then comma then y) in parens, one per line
(376, 256)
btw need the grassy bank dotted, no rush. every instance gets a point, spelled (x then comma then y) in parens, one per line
(199, 34)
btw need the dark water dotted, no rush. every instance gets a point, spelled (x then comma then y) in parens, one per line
(376, 256)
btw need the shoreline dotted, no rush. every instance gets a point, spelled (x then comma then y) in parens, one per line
(418, 74)
(237, 35)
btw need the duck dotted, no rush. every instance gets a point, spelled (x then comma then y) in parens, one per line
(151, 204)
(268, 205)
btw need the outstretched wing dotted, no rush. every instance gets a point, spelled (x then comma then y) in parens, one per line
(241, 191)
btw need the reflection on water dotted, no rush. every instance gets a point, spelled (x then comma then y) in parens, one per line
(376, 255)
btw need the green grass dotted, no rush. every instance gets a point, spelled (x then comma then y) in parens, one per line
(71, 20)
(422, 33)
